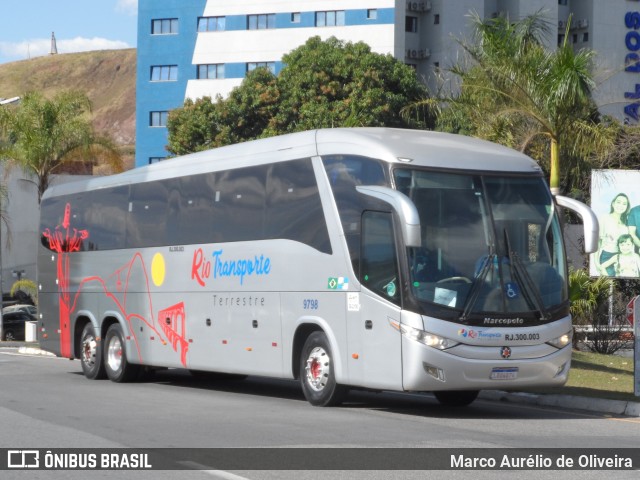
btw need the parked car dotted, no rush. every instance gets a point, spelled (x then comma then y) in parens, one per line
(13, 325)
(30, 309)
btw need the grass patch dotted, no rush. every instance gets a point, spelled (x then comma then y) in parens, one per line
(599, 376)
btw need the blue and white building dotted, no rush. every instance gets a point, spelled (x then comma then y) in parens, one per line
(196, 48)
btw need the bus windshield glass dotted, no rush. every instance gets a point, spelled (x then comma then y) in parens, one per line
(491, 247)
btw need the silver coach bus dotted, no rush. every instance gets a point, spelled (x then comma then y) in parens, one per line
(366, 258)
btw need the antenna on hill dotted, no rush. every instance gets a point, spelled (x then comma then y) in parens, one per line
(54, 47)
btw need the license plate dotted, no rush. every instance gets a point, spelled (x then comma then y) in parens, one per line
(504, 373)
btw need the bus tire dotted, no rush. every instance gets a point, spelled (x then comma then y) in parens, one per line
(317, 372)
(116, 364)
(91, 357)
(456, 398)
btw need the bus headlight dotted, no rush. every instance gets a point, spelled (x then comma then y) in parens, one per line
(562, 341)
(426, 338)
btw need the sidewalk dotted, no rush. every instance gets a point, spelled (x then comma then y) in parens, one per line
(568, 402)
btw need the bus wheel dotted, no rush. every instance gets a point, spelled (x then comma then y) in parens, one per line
(317, 374)
(115, 358)
(456, 398)
(91, 354)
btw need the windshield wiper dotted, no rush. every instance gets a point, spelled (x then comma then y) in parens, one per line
(478, 281)
(529, 287)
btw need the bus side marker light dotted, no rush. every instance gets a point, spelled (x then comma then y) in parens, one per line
(355, 356)
(249, 349)
(224, 342)
(274, 344)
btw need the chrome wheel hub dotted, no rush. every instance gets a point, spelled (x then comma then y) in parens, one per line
(317, 369)
(114, 354)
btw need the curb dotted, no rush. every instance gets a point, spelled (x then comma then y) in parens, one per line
(569, 402)
(34, 351)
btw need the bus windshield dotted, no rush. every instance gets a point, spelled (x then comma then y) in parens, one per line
(491, 247)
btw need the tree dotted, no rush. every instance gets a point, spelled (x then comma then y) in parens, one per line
(323, 84)
(520, 93)
(27, 288)
(587, 295)
(245, 115)
(44, 135)
(331, 83)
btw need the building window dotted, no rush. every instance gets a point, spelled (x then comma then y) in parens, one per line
(436, 19)
(261, 22)
(211, 71)
(560, 39)
(155, 159)
(295, 17)
(158, 119)
(411, 24)
(211, 24)
(164, 73)
(585, 37)
(574, 38)
(253, 65)
(333, 18)
(562, 2)
(372, 14)
(164, 26)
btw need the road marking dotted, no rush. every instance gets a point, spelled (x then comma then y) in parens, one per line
(214, 473)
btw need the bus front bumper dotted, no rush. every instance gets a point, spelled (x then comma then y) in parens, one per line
(429, 369)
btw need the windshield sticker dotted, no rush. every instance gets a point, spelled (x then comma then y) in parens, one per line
(391, 289)
(444, 296)
(338, 283)
(512, 290)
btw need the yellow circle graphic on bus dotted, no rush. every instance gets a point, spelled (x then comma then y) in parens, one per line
(157, 269)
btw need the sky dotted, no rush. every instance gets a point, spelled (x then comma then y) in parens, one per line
(79, 25)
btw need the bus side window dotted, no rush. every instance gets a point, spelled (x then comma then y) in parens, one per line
(378, 261)
(148, 210)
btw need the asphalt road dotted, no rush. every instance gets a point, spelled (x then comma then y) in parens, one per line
(46, 402)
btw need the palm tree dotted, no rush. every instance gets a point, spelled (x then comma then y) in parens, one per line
(44, 135)
(586, 294)
(520, 93)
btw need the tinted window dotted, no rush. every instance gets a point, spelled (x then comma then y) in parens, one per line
(379, 270)
(254, 203)
(345, 172)
(240, 199)
(294, 210)
(105, 218)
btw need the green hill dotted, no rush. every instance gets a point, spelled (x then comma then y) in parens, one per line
(108, 77)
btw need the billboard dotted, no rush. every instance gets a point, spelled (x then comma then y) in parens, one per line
(615, 198)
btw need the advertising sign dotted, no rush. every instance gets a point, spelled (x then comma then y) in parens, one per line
(615, 199)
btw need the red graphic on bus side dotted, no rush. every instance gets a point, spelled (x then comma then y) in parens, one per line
(172, 320)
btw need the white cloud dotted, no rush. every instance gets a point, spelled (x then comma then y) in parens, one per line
(39, 47)
(127, 6)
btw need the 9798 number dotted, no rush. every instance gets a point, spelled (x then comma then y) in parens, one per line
(310, 303)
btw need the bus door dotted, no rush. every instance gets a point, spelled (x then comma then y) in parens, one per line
(379, 303)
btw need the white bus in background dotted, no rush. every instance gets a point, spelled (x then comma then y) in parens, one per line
(369, 258)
